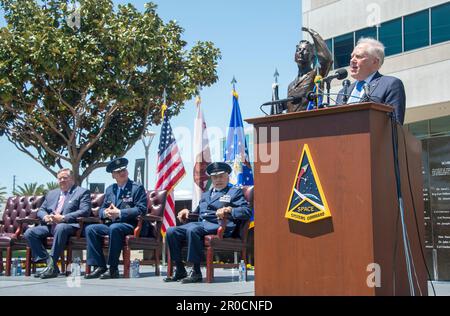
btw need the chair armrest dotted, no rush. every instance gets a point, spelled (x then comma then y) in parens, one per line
(89, 220)
(26, 220)
(193, 217)
(152, 218)
(222, 227)
(86, 220)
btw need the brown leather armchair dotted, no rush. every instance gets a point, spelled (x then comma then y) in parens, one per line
(238, 242)
(153, 240)
(20, 211)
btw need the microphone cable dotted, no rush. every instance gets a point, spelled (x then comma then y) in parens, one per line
(415, 213)
(406, 244)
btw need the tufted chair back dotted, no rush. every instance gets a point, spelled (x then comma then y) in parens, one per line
(20, 207)
(156, 202)
(96, 203)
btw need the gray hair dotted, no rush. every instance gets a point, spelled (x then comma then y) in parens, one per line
(65, 170)
(374, 48)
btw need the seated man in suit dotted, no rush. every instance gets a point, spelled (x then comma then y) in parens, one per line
(124, 201)
(367, 58)
(59, 213)
(222, 200)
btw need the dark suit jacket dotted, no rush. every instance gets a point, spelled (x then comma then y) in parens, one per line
(231, 196)
(385, 90)
(77, 204)
(132, 202)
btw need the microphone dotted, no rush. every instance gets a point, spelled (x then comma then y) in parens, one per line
(366, 96)
(339, 74)
(346, 84)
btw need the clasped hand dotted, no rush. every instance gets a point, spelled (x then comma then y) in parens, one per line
(53, 219)
(112, 212)
(221, 212)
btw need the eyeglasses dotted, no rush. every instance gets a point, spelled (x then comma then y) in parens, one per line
(63, 178)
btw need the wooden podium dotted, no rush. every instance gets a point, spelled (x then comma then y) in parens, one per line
(351, 147)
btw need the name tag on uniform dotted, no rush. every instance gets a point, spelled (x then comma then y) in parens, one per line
(127, 199)
(225, 199)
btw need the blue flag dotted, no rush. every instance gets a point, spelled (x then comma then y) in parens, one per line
(236, 150)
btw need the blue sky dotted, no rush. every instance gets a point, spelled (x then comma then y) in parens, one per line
(254, 36)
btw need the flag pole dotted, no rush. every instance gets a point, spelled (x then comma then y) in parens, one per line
(163, 112)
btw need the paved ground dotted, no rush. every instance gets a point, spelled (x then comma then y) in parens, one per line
(225, 284)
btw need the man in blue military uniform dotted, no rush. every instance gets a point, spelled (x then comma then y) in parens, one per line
(222, 200)
(124, 201)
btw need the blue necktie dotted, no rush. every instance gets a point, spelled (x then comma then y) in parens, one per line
(356, 95)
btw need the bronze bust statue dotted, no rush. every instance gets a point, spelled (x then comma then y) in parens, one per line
(304, 57)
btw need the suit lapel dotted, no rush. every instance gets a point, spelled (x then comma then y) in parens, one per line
(115, 188)
(55, 203)
(375, 81)
(350, 90)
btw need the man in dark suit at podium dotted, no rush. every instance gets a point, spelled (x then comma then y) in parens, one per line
(366, 59)
(222, 200)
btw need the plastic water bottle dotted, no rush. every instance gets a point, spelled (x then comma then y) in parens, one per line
(242, 272)
(19, 267)
(76, 267)
(14, 267)
(135, 268)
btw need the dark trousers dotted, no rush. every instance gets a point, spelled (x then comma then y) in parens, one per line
(193, 234)
(36, 237)
(94, 236)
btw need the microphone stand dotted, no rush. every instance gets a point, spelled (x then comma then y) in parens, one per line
(328, 88)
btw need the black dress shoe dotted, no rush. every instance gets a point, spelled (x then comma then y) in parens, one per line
(177, 277)
(193, 278)
(96, 273)
(49, 273)
(110, 274)
(38, 274)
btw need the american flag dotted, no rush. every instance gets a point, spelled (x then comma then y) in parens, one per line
(170, 171)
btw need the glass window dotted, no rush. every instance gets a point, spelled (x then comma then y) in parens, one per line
(417, 30)
(390, 34)
(419, 129)
(367, 32)
(343, 47)
(440, 125)
(329, 43)
(440, 23)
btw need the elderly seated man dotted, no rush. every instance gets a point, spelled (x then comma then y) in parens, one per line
(58, 213)
(221, 200)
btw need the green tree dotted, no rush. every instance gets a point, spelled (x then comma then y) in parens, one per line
(50, 186)
(83, 95)
(30, 189)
